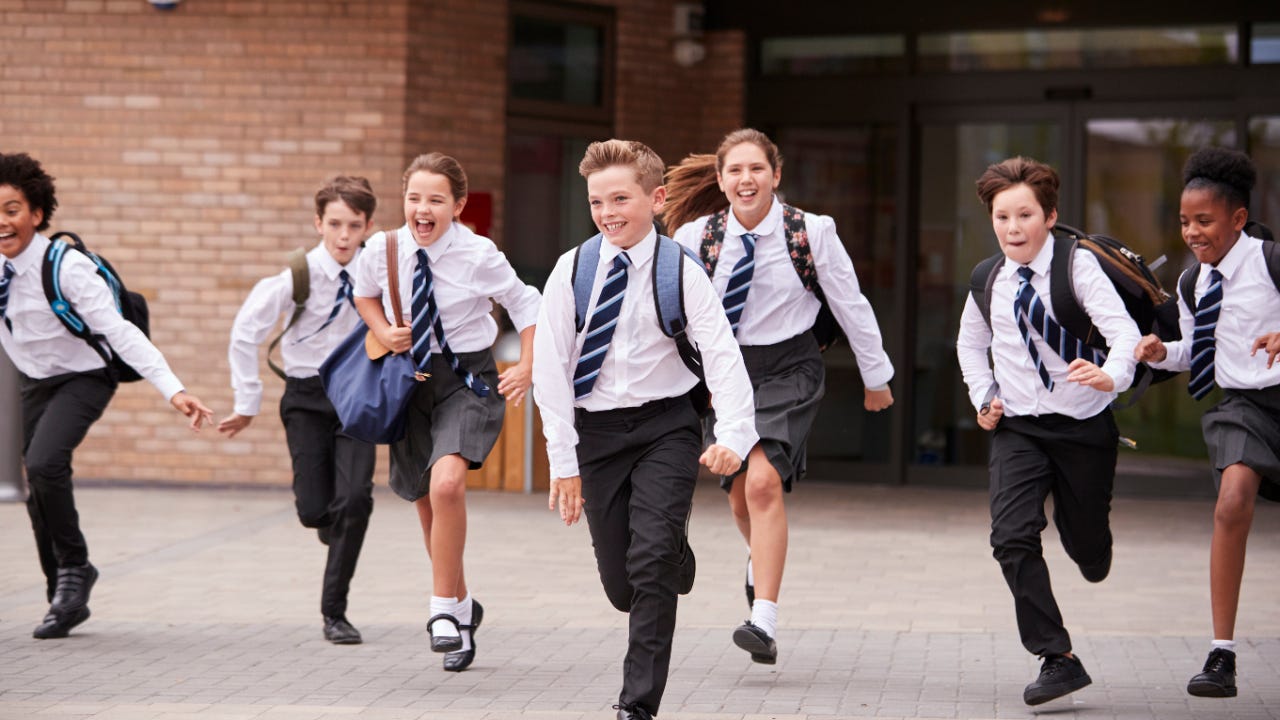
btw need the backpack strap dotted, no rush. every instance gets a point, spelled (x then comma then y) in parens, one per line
(1062, 291)
(798, 248)
(712, 239)
(1271, 251)
(301, 291)
(51, 277)
(585, 261)
(981, 281)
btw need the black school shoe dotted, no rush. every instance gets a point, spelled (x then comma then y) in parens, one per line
(58, 625)
(763, 649)
(459, 660)
(1218, 680)
(635, 712)
(340, 632)
(69, 605)
(1059, 675)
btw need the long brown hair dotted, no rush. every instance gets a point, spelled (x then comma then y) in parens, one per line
(692, 187)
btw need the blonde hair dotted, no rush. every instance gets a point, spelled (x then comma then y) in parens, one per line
(626, 153)
(693, 189)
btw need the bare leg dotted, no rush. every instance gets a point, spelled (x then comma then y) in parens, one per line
(425, 517)
(767, 524)
(1232, 518)
(738, 506)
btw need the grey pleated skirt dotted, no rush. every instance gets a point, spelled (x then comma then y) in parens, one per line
(445, 418)
(788, 381)
(1245, 428)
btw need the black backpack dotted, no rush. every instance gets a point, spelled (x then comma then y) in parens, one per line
(130, 304)
(1152, 309)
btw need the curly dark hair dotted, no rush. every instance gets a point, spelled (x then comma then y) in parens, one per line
(23, 172)
(1229, 174)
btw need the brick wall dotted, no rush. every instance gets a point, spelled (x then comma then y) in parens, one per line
(187, 146)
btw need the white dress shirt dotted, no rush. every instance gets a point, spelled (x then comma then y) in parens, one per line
(1021, 389)
(302, 349)
(641, 364)
(467, 269)
(778, 307)
(41, 347)
(1250, 309)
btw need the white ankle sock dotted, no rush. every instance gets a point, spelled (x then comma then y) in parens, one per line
(764, 615)
(444, 606)
(463, 613)
(751, 573)
(1225, 645)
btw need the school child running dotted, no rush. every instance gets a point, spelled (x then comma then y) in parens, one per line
(332, 473)
(615, 395)
(447, 275)
(766, 259)
(1049, 413)
(65, 382)
(1233, 291)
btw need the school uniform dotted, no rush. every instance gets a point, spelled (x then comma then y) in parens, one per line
(1244, 427)
(1061, 441)
(447, 415)
(65, 387)
(786, 369)
(332, 472)
(635, 439)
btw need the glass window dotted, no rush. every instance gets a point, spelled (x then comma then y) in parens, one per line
(1078, 49)
(555, 61)
(850, 174)
(1133, 186)
(546, 210)
(1264, 147)
(1265, 45)
(833, 55)
(955, 235)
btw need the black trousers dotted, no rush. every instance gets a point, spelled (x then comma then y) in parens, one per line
(57, 413)
(638, 468)
(332, 483)
(1031, 458)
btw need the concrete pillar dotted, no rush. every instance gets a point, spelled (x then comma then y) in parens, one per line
(12, 486)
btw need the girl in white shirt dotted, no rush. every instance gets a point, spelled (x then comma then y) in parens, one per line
(1234, 289)
(723, 206)
(456, 413)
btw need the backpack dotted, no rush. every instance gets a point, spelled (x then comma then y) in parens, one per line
(130, 304)
(1153, 310)
(1270, 251)
(301, 292)
(668, 296)
(826, 330)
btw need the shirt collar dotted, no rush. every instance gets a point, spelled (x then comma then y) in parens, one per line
(437, 249)
(1039, 264)
(766, 227)
(328, 265)
(1231, 262)
(32, 256)
(638, 253)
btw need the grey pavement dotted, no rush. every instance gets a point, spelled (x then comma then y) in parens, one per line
(892, 607)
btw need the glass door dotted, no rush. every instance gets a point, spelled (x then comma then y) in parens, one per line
(953, 233)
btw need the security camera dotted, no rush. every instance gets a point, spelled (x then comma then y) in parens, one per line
(164, 4)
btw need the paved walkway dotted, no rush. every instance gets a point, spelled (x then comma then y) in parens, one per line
(892, 607)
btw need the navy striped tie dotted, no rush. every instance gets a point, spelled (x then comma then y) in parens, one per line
(1203, 346)
(600, 329)
(344, 293)
(1029, 312)
(426, 318)
(735, 293)
(9, 270)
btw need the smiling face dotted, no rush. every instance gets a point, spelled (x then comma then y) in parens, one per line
(18, 221)
(429, 206)
(1210, 227)
(1020, 223)
(342, 230)
(620, 207)
(748, 180)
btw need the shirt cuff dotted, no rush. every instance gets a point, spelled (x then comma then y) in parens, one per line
(168, 386)
(739, 442)
(248, 406)
(879, 388)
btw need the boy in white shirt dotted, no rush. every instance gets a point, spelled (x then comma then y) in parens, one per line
(332, 472)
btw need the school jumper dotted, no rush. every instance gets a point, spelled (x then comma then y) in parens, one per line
(1061, 442)
(635, 440)
(1245, 426)
(332, 473)
(782, 358)
(65, 388)
(447, 415)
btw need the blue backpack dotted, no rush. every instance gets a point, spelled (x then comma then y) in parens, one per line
(130, 304)
(668, 295)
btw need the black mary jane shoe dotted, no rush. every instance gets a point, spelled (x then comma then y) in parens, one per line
(763, 649)
(444, 643)
(460, 660)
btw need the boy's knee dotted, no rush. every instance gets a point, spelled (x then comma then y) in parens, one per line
(47, 470)
(1007, 546)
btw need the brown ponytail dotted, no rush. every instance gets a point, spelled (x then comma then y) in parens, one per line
(692, 191)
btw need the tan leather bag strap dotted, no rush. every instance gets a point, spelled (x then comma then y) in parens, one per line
(393, 276)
